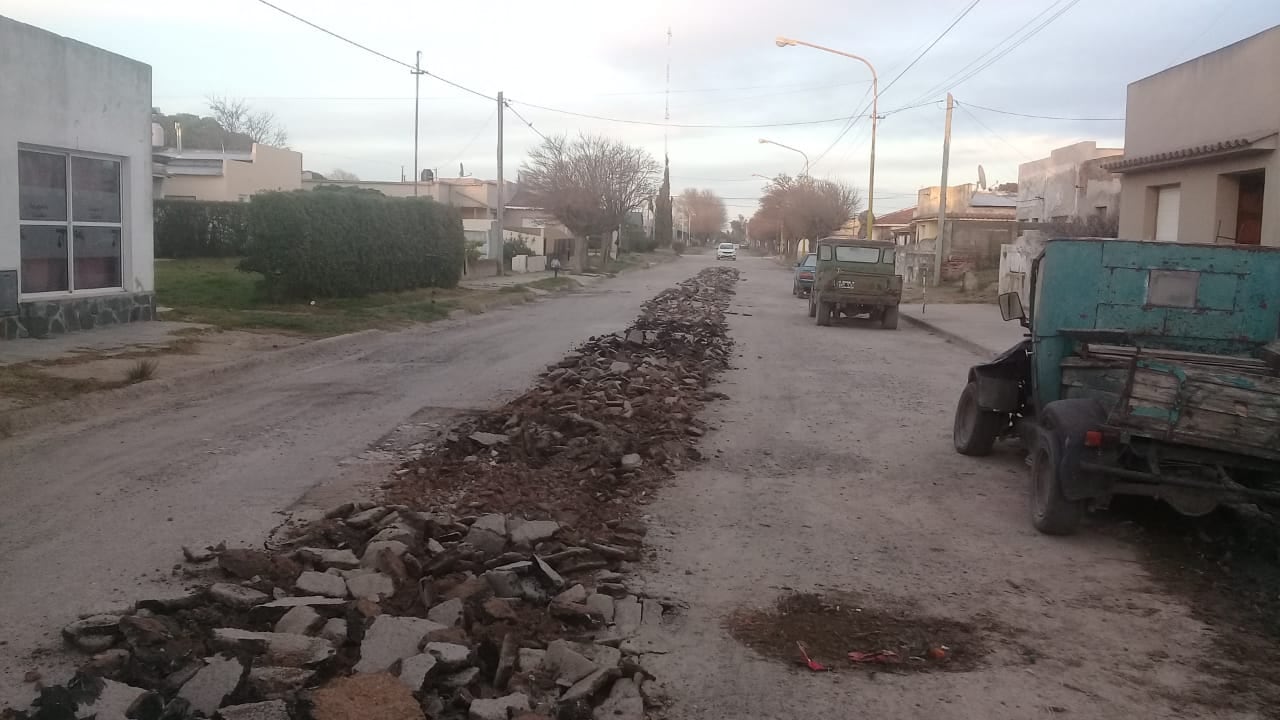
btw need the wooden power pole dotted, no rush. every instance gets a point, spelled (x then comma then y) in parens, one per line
(502, 195)
(939, 245)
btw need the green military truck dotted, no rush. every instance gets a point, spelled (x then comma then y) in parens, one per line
(856, 277)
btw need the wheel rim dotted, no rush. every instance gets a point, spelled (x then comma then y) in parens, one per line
(964, 420)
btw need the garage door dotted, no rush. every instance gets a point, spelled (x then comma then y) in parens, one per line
(1168, 201)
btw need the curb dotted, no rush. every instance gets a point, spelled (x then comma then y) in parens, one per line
(951, 337)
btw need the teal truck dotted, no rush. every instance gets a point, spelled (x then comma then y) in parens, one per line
(1148, 369)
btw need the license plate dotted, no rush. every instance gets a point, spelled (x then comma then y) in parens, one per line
(844, 284)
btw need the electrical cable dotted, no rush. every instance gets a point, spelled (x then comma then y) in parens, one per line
(627, 121)
(1041, 117)
(997, 135)
(523, 120)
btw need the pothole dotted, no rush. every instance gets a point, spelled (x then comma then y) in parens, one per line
(844, 632)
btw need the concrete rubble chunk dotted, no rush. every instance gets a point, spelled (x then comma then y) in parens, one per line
(323, 584)
(489, 439)
(367, 518)
(530, 659)
(370, 585)
(548, 572)
(276, 682)
(623, 703)
(269, 710)
(447, 613)
(376, 696)
(532, 532)
(627, 614)
(390, 639)
(493, 522)
(92, 625)
(307, 600)
(631, 461)
(372, 550)
(497, 708)
(508, 656)
(334, 630)
(212, 684)
(486, 541)
(396, 533)
(575, 594)
(566, 664)
(617, 367)
(652, 612)
(588, 686)
(452, 656)
(299, 621)
(504, 583)
(282, 649)
(112, 703)
(237, 596)
(343, 559)
(415, 669)
(601, 605)
(461, 679)
(603, 655)
(198, 554)
(434, 547)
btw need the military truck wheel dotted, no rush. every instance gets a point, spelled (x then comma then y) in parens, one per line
(975, 430)
(824, 313)
(889, 321)
(813, 305)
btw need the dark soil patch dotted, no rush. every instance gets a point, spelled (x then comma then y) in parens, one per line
(831, 627)
(1227, 565)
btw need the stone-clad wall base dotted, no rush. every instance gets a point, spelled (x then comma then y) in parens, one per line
(42, 318)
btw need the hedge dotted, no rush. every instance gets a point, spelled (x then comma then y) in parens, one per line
(310, 245)
(191, 228)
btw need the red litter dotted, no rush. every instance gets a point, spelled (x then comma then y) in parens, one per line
(884, 657)
(812, 664)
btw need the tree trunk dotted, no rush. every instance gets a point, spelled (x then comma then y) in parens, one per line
(580, 254)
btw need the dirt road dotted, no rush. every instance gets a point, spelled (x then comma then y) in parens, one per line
(95, 512)
(832, 472)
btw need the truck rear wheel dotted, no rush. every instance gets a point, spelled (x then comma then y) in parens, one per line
(1056, 462)
(975, 430)
(824, 313)
(813, 307)
(890, 319)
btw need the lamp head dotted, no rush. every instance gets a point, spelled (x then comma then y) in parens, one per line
(781, 41)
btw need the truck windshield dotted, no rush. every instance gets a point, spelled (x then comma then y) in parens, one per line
(846, 253)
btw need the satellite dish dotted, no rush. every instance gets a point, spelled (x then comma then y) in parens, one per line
(982, 178)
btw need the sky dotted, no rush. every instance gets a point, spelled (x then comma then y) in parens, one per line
(351, 109)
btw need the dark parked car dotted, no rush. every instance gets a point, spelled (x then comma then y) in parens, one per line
(803, 281)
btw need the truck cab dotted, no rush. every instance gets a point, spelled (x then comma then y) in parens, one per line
(856, 277)
(1148, 369)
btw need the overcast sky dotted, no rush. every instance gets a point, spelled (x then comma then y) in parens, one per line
(346, 108)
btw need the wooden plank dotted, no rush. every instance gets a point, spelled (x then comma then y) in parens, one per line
(1190, 357)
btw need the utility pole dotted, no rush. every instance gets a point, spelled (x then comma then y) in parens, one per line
(939, 251)
(417, 82)
(502, 201)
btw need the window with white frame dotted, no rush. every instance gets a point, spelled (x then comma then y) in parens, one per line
(70, 221)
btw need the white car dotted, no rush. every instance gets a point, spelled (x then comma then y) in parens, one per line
(727, 251)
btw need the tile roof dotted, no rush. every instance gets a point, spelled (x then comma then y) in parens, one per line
(897, 217)
(1173, 157)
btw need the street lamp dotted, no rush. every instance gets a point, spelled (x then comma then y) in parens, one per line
(875, 107)
(763, 141)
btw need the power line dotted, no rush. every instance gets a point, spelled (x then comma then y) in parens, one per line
(997, 135)
(475, 137)
(1042, 117)
(855, 118)
(627, 121)
(526, 122)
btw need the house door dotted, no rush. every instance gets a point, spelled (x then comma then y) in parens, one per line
(1249, 211)
(1168, 202)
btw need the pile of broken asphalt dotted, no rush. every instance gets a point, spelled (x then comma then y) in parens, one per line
(492, 583)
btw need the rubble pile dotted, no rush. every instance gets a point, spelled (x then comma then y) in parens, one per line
(601, 428)
(492, 586)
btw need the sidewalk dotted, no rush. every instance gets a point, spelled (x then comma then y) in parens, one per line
(475, 281)
(976, 327)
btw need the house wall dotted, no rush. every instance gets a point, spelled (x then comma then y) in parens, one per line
(1159, 120)
(1069, 183)
(271, 169)
(61, 94)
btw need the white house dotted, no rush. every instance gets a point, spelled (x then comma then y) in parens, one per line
(75, 185)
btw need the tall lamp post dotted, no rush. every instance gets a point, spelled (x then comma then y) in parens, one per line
(875, 107)
(805, 172)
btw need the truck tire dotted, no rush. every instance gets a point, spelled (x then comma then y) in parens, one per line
(813, 307)
(1055, 463)
(975, 430)
(824, 313)
(890, 319)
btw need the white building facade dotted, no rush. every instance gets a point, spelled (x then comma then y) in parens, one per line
(75, 185)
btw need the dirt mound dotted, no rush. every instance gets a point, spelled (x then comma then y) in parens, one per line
(844, 632)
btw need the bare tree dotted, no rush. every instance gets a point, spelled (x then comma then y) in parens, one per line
(797, 208)
(706, 212)
(590, 183)
(340, 175)
(235, 115)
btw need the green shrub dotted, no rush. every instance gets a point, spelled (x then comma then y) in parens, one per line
(310, 245)
(636, 240)
(512, 248)
(192, 228)
(678, 247)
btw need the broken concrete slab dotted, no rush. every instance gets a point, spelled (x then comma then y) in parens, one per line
(627, 615)
(307, 600)
(299, 621)
(280, 648)
(447, 613)
(565, 664)
(504, 583)
(343, 559)
(334, 630)
(323, 584)
(575, 594)
(631, 461)
(368, 518)
(373, 549)
(548, 572)
(498, 708)
(588, 686)
(452, 656)
(390, 639)
(112, 703)
(415, 669)
(651, 612)
(237, 596)
(212, 684)
(276, 682)
(460, 679)
(489, 439)
(486, 541)
(370, 585)
(601, 605)
(532, 532)
(268, 710)
(623, 703)
(398, 532)
(530, 659)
